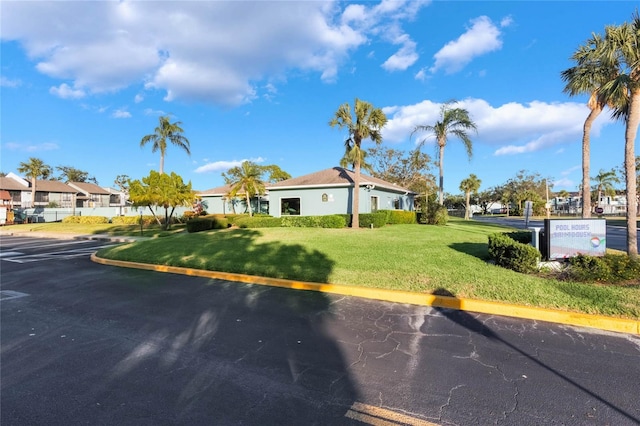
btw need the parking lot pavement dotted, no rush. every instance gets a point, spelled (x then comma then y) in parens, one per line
(19, 249)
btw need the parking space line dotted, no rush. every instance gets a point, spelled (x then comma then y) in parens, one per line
(10, 253)
(60, 255)
(32, 244)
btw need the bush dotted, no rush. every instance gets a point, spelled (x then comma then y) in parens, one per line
(133, 220)
(609, 268)
(523, 237)
(377, 219)
(510, 254)
(398, 217)
(87, 220)
(437, 214)
(328, 221)
(198, 224)
(258, 222)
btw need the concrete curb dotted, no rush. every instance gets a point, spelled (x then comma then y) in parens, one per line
(619, 325)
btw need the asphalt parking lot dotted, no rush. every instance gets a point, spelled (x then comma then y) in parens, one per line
(83, 343)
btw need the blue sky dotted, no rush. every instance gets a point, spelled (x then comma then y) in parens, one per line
(83, 82)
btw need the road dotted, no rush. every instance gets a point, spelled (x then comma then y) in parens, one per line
(616, 234)
(84, 343)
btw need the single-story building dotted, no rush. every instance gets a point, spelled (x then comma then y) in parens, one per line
(90, 195)
(325, 192)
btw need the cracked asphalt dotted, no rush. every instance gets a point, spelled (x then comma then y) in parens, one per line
(94, 344)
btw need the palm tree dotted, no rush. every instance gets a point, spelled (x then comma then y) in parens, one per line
(453, 121)
(604, 183)
(166, 131)
(33, 169)
(587, 77)
(349, 160)
(366, 124)
(246, 180)
(620, 50)
(469, 185)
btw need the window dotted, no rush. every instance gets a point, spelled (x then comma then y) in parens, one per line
(42, 197)
(290, 206)
(374, 204)
(16, 196)
(396, 204)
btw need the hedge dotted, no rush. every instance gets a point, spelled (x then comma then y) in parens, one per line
(198, 224)
(510, 254)
(85, 219)
(328, 221)
(258, 222)
(135, 220)
(399, 217)
(377, 219)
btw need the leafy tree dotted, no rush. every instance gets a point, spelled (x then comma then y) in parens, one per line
(409, 170)
(276, 174)
(121, 182)
(453, 122)
(366, 123)
(525, 186)
(246, 180)
(159, 189)
(348, 161)
(604, 183)
(71, 174)
(469, 185)
(620, 50)
(488, 197)
(588, 76)
(33, 169)
(166, 131)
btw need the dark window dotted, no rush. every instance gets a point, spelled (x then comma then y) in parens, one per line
(374, 204)
(290, 206)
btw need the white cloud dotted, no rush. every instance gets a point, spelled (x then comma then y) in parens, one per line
(6, 82)
(64, 91)
(46, 146)
(483, 37)
(564, 183)
(515, 128)
(138, 98)
(121, 113)
(216, 52)
(223, 166)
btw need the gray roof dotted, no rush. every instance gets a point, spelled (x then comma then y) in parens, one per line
(336, 176)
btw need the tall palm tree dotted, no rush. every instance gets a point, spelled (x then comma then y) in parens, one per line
(166, 131)
(587, 77)
(33, 169)
(367, 123)
(470, 186)
(453, 121)
(349, 158)
(620, 49)
(246, 180)
(604, 183)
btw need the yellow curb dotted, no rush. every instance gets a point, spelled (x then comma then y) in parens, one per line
(619, 325)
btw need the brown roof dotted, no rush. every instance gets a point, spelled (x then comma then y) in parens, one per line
(220, 190)
(4, 195)
(336, 176)
(53, 186)
(11, 184)
(88, 188)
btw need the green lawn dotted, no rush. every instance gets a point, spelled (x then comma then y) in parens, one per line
(406, 257)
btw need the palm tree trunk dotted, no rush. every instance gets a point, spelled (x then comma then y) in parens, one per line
(630, 172)
(248, 202)
(441, 157)
(33, 192)
(468, 207)
(161, 170)
(355, 210)
(586, 159)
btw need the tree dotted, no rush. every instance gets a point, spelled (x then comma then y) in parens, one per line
(367, 123)
(469, 185)
(71, 174)
(525, 186)
(246, 180)
(409, 170)
(588, 76)
(604, 183)
(620, 50)
(161, 190)
(276, 174)
(33, 169)
(166, 131)
(455, 122)
(121, 182)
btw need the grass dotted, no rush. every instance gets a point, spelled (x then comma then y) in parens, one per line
(107, 229)
(405, 257)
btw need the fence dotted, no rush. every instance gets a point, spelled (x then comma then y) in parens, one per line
(45, 214)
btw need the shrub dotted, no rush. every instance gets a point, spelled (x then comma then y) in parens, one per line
(189, 214)
(377, 219)
(510, 254)
(198, 224)
(87, 220)
(258, 222)
(397, 217)
(437, 214)
(608, 268)
(328, 221)
(133, 220)
(53, 205)
(523, 237)
(346, 217)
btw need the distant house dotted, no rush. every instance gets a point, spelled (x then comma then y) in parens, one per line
(48, 192)
(15, 185)
(330, 191)
(217, 201)
(90, 195)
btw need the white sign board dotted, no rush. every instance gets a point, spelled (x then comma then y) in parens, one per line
(570, 237)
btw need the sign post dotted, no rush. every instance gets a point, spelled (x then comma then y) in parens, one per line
(140, 210)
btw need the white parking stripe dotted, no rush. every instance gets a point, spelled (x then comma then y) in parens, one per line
(9, 253)
(64, 254)
(36, 244)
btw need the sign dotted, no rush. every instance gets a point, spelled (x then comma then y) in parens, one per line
(570, 237)
(599, 210)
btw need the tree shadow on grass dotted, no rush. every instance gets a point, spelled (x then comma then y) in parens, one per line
(449, 306)
(479, 250)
